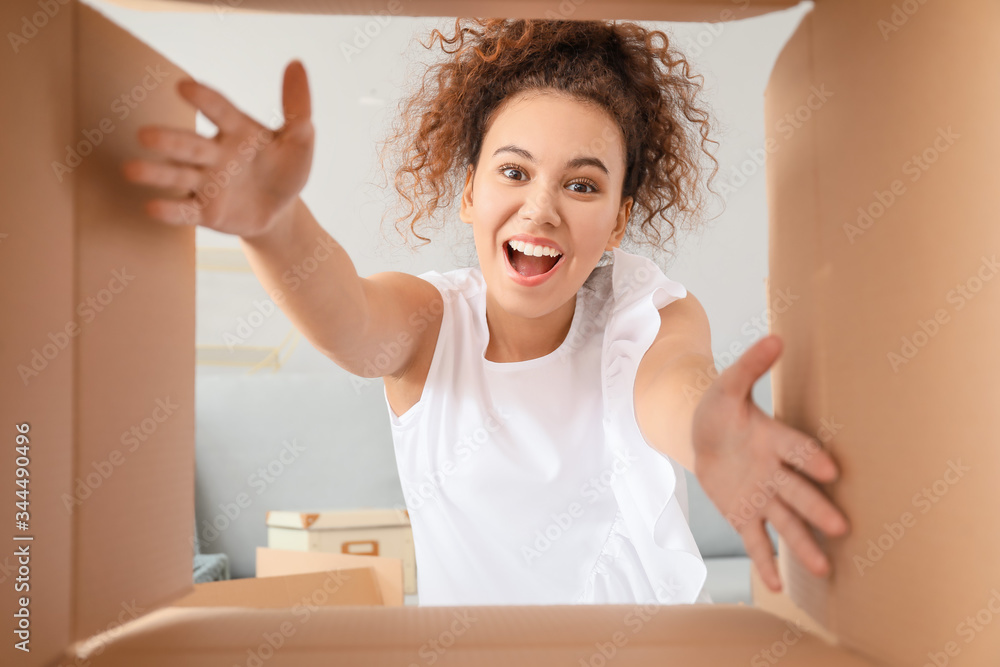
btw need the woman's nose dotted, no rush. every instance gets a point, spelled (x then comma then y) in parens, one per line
(540, 206)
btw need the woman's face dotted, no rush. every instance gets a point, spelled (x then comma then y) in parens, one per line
(550, 170)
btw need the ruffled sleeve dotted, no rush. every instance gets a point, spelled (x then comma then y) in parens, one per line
(651, 488)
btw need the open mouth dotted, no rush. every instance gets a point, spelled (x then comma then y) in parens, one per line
(531, 261)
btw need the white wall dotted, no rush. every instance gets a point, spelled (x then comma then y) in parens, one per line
(339, 421)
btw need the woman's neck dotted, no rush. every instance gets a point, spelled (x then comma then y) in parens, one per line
(514, 338)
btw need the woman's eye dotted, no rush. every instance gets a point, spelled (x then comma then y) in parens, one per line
(514, 173)
(586, 185)
(507, 170)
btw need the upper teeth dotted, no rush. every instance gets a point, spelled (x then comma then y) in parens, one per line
(536, 250)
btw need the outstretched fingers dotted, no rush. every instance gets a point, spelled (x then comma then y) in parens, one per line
(182, 146)
(797, 536)
(216, 108)
(809, 502)
(175, 212)
(295, 97)
(739, 378)
(163, 175)
(761, 552)
(804, 453)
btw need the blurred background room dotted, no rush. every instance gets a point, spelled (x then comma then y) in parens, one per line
(280, 424)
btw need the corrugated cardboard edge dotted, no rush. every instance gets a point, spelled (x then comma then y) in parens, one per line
(340, 587)
(795, 265)
(526, 636)
(663, 10)
(781, 605)
(281, 562)
(121, 557)
(869, 288)
(37, 271)
(367, 517)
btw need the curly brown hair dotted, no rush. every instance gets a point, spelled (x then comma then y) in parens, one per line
(631, 72)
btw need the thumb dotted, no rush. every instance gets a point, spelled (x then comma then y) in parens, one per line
(739, 378)
(296, 103)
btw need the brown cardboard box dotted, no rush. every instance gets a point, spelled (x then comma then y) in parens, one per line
(387, 572)
(361, 532)
(350, 586)
(882, 217)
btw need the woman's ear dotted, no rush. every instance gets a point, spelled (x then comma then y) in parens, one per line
(620, 224)
(465, 209)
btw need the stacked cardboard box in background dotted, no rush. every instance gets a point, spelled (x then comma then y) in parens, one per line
(371, 532)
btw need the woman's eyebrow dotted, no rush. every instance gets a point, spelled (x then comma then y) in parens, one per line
(572, 164)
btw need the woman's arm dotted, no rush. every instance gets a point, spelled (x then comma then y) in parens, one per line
(666, 384)
(355, 321)
(738, 452)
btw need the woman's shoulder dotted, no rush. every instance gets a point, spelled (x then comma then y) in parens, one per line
(627, 282)
(635, 277)
(465, 281)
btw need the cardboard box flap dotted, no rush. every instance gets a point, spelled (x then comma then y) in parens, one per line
(131, 494)
(528, 636)
(281, 562)
(38, 232)
(883, 204)
(354, 586)
(329, 519)
(648, 10)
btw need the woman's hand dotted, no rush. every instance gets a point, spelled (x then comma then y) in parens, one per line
(244, 179)
(755, 468)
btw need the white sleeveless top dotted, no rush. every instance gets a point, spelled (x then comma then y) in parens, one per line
(530, 482)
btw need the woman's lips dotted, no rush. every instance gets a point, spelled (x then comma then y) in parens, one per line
(527, 281)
